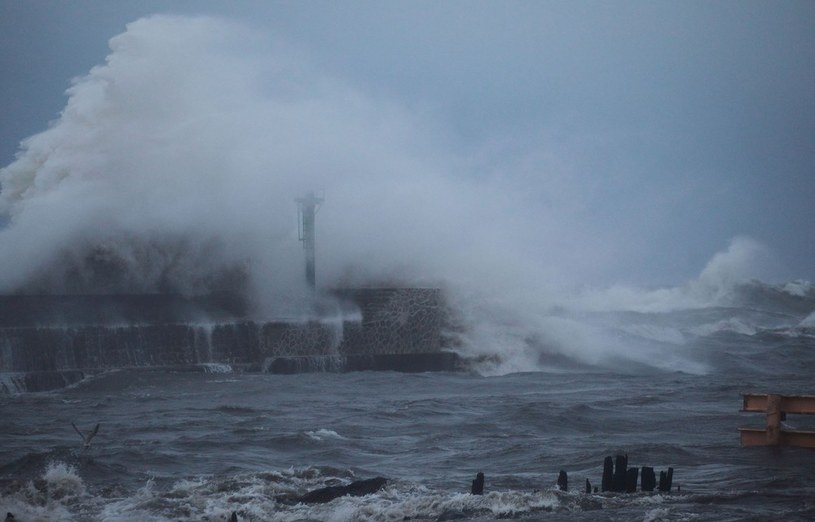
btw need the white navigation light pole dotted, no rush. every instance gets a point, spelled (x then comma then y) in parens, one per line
(306, 212)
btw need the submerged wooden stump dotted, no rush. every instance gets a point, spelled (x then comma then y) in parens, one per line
(649, 480)
(478, 484)
(354, 489)
(631, 477)
(563, 481)
(665, 480)
(620, 473)
(608, 474)
(618, 477)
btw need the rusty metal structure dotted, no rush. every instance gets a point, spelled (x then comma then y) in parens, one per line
(776, 408)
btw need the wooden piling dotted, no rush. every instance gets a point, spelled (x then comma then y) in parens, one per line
(478, 484)
(631, 476)
(563, 481)
(665, 480)
(648, 481)
(608, 474)
(620, 473)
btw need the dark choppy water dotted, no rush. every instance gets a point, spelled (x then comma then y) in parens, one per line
(198, 446)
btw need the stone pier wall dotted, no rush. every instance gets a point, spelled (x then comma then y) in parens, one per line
(99, 347)
(47, 334)
(394, 320)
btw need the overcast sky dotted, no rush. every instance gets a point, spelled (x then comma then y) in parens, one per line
(663, 129)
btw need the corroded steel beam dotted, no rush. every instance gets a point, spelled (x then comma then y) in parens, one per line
(758, 437)
(789, 403)
(776, 407)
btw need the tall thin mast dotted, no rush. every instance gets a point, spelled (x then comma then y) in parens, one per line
(307, 212)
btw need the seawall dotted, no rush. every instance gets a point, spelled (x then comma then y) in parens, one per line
(50, 341)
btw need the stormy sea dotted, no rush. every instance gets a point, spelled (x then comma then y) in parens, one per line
(178, 167)
(202, 445)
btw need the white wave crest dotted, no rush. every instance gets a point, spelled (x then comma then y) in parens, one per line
(321, 434)
(725, 325)
(216, 368)
(799, 288)
(63, 480)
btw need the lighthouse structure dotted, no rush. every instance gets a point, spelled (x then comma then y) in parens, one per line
(395, 329)
(306, 215)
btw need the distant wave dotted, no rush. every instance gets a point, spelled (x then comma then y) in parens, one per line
(808, 321)
(660, 329)
(322, 434)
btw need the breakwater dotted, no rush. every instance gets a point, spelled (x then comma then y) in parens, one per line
(49, 341)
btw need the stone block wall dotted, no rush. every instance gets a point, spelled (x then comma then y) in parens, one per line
(393, 321)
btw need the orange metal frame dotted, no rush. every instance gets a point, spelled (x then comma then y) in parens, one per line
(776, 407)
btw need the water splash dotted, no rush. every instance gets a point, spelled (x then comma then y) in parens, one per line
(175, 164)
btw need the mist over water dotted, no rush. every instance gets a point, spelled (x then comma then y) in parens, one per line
(174, 168)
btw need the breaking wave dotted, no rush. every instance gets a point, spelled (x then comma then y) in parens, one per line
(175, 164)
(254, 496)
(666, 328)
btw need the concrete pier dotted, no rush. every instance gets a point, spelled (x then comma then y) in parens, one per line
(396, 329)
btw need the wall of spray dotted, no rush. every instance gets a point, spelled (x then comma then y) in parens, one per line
(175, 163)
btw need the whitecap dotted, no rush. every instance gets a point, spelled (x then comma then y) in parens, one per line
(321, 434)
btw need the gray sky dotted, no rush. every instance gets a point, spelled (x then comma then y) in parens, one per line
(656, 131)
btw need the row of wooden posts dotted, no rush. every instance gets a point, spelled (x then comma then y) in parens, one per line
(617, 477)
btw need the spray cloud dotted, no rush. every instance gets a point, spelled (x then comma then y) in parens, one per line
(175, 164)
